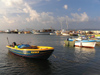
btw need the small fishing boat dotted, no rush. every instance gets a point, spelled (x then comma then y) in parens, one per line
(85, 43)
(38, 52)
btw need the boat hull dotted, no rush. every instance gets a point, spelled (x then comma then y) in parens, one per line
(78, 44)
(42, 33)
(85, 44)
(37, 54)
(65, 34)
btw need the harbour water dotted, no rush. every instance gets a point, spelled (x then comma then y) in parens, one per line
(63, 61)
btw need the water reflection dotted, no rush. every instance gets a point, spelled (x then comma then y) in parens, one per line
(26, 66)
(84, 54)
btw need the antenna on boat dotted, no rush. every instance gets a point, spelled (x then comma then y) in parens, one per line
(8, 41)
(61, 25)
(67, 25)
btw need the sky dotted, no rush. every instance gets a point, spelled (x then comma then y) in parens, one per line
(44, 14)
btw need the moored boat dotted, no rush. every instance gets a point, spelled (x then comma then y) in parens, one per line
(64, 32)
(85, 43)
(97, 36)
(37, 52)
(43, 31)
(53, 33)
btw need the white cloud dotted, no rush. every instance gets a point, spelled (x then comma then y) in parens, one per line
(25, 10)
(8, 20)
(83, 17)
(11, 3)
(11, 6)
(79, 9)
(79, 18)
(66, 6)
(27, 19)
(45, 18)
(61, 19)
(33, 15)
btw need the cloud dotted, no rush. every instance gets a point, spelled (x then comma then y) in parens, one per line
(61, 19)
(79, 18)
(11, 3)
(79, 9)
(83, 17)
(66, 6)
(33, 15)
(11, 6)
(7, 20)
(45, 18)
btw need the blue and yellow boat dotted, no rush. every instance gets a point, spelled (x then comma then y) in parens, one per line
(38, 52)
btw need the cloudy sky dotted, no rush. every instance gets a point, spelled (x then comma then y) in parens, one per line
(39, 14)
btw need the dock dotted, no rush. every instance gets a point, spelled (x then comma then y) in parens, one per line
(69, 43)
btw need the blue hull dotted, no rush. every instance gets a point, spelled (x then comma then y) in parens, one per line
(32, 54)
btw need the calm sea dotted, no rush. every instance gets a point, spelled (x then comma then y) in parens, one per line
(63, 61)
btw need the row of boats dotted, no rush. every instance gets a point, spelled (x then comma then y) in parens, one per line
(52, 32)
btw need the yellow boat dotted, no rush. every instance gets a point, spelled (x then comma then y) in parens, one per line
(38, 52)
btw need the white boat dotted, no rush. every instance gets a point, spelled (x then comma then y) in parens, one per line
(64, 32)
(85, 43)
(43, 32)
(98, 37)
(52, 33)
(8, 31)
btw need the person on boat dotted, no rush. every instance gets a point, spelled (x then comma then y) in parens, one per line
(19, 46)
(14, 44)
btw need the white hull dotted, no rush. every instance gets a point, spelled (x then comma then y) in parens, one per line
(65, 34)
(78, 44)
(85, 44)
(52, 34)
(97, 37)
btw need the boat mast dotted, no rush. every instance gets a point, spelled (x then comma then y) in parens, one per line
(61, 25)
(67, 24)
